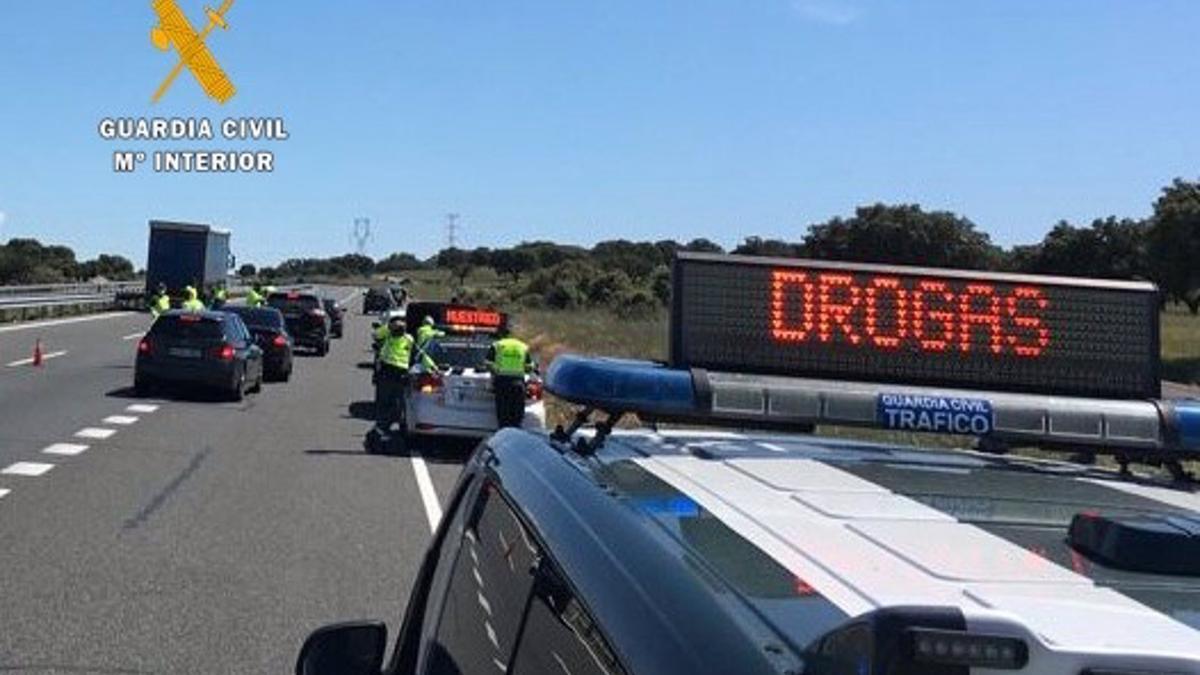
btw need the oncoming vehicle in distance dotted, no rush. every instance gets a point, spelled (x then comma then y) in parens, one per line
(336, 316)
(378, 299)
(212, 350)
(267, 326)
(732, 544)
(455, 397)
(307, 321)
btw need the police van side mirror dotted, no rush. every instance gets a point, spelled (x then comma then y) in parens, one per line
(354, 648)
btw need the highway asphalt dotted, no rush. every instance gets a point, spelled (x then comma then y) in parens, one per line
(194, 535)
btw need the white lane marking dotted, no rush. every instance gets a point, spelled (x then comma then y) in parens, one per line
(27, 469)
(353, 293)
(123, 420)
(62, 322)
(134, 336)
(141, 408)
(433, 508)
(65, 449)
(95, 432)
(4, 492)
(29, 361)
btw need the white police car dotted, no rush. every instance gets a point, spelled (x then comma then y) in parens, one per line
(724, 550)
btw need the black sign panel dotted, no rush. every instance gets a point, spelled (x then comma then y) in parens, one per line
(876, 323)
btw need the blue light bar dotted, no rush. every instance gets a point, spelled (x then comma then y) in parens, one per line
(622, 385)
(1130, 427)
(1187, 424)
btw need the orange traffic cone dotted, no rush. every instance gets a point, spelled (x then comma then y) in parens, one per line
(37, 353)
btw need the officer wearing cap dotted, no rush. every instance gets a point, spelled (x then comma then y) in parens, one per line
(391, 374)
(510, 360)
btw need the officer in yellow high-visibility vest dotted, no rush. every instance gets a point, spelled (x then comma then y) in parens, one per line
(161, 302)
(427, 331)
(254, 297)
(510, 361)
(191, 300)
(220, 296)
(391, 375)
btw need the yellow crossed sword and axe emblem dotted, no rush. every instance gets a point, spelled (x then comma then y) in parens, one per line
(174, 29)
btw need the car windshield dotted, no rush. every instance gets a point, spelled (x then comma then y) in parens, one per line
(458, 353)
(261, 319)
(187, 327)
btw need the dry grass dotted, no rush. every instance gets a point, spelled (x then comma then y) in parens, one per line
(1180, 331)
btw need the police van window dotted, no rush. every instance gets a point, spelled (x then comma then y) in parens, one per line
(560, 636)
(488, 591)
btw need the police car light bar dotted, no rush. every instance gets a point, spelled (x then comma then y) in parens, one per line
(658, 392)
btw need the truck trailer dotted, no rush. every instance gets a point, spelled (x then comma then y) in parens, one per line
(182, 254)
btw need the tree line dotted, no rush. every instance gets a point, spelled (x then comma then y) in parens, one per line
(634, 277)
(28, 261)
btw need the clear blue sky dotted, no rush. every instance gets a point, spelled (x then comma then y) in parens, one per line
(584, 120)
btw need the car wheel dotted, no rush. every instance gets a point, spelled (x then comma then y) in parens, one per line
(323, 348)
(286, 375)
(142, 386)
(239, 387)
(257, 388)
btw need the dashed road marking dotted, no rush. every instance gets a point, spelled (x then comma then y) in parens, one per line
(141, 408)
(433, 508)
(4, 492)
(61, 322)
(134, 336)
(123, 420)
(95, 432)
(27, 469)
(65, 449)
(29, 361)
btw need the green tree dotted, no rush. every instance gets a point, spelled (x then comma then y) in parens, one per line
(1109, 248)
(247, 271)
(905, 235)
(1174, 242)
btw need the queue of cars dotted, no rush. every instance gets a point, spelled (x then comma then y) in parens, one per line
(234, 349)
(728, 538)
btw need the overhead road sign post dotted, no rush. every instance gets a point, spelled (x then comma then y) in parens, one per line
(916, 326)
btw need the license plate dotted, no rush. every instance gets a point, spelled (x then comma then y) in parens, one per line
(184, 353)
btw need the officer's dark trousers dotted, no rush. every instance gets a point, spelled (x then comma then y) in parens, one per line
(391, 391)
(510, 399)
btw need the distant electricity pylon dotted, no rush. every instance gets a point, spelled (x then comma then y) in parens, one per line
(361, 234)
(452, 230)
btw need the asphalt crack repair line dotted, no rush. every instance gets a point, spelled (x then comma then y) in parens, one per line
(161, 498)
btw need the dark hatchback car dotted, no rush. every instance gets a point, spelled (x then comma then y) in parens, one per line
(213, 350)
(378, 300)
(336, 315)
(270, 334)
(307, 321)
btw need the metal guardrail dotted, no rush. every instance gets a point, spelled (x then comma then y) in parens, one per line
(79, 288)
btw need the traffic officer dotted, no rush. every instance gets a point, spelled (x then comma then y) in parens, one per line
(510, 360)
(254, 297)
(427, 331)
(220, 295)
(391, 375)
(161, 302)
(191, 300)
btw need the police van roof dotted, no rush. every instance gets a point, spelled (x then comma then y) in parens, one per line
(805, 534)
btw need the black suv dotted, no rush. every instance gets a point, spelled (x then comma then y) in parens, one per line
(336, 316)
(377, 300)
(307, 321)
